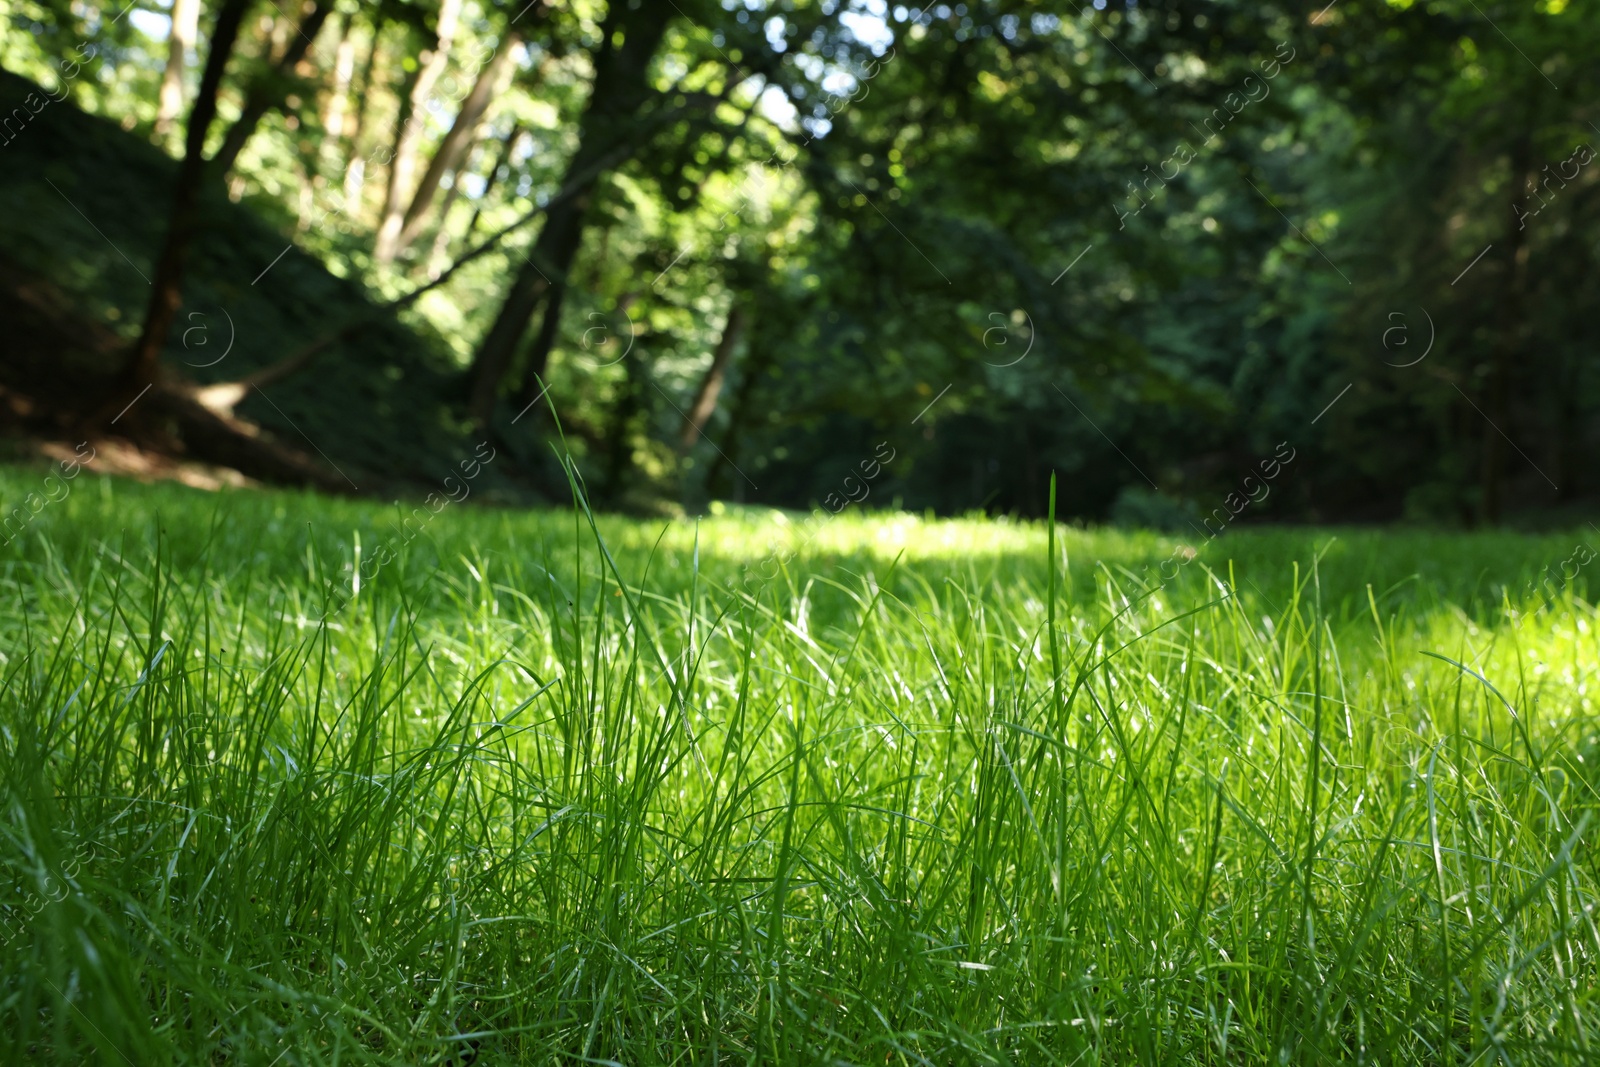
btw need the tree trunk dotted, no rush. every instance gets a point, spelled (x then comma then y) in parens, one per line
(537, 359)
(185, 24)
(463, 131)
(620, 88)
(166, 290)
(441, 235)
(355, 171)
(553, 252)
(413, 114)
(270, 93)
(334, 117)
(760, 358)
(705, 399)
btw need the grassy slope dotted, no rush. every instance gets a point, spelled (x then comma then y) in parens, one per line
(83, 194)
(500, 804)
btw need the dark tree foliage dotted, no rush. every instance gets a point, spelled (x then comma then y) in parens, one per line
(738, 249)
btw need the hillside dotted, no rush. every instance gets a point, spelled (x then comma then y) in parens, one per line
(87, 209)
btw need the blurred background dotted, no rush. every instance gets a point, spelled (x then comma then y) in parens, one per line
(1250, 261)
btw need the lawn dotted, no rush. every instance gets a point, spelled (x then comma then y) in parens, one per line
(293, 780)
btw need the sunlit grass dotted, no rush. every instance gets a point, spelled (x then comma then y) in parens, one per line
(763, 790)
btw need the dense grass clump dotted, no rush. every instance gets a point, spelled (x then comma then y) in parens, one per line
(543, 789)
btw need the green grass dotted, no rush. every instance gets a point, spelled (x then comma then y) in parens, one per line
(527, 800)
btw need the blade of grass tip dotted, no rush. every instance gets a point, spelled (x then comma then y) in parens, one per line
(580, 512)
(1447, 1014)
(694, 591)
(1050, 601)
(586, 512)
(1315, 760)
(569, 468)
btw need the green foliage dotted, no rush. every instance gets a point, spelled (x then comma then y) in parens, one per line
(1125, 242)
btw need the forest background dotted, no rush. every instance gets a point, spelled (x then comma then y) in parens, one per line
(747, 250)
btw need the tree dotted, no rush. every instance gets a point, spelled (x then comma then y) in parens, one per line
(619, 91)
(463, 131)
(408, 134)
(269, 92)
(705, 398)
(337, 104)
(180, 39)
(351, 136)
(166, 287)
